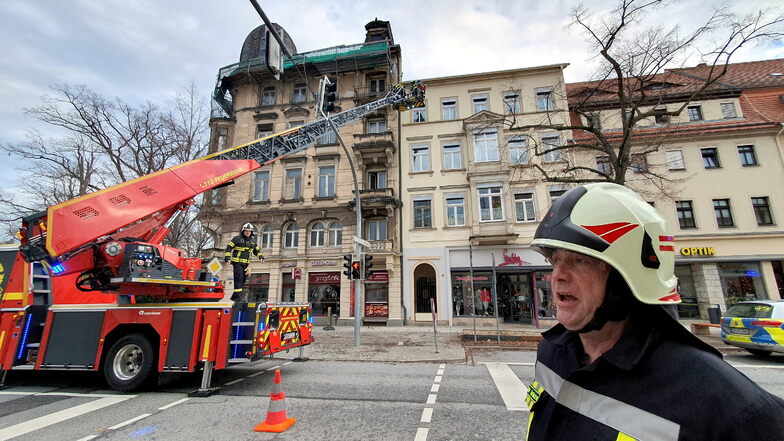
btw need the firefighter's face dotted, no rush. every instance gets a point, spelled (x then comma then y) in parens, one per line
(246, 233)
(579, 283)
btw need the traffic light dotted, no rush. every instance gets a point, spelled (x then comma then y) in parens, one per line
(355, 269)
(367, 264)
(330, 95)
(347, 265)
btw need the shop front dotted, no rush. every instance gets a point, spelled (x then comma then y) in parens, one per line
(521, 281)
(324, 292)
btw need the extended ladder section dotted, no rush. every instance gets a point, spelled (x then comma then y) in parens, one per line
(273, 147)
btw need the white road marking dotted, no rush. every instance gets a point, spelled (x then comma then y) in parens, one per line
(64, 394)
(256, 374)
(440, 372)
(431, 399)
(760, 366)
(442, 365)
(421, 434)
(438, 379)
(59, 416)
(427, 415)
(173, 404)
(234, 382)
(434, 388)
(88, 438)
(131, 421)
(510, 387)
(284, 364)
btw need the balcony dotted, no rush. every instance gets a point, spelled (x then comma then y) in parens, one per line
(492, 233)
(364, 95)
(376, 198)
(375, 142)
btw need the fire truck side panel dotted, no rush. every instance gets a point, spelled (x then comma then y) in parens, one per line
(9, 330)
(72, 340)
(180, 354)
(224, 337)
(14, 273)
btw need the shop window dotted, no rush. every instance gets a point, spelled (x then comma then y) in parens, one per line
(258, 287)
(377, 299)
(688, 306)
(289, 287)
(741, 281)
(324, 293)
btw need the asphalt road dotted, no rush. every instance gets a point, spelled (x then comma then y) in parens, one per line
(477, 400)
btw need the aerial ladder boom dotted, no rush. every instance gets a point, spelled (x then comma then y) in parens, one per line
(91, 234)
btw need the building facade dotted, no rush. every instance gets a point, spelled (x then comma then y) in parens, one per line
(470, 208)
(302, 205)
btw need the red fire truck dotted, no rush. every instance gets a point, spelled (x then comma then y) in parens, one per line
(92, 287)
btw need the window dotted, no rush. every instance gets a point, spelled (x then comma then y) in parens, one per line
(685, 214)
(747, 156)
(328, 138)
(422, 213)
(455, 210)
(479, 102)
(593, 120)
(326, 181)
(377, 180)
(660, 117)
(603, 164)
(335, 234)
(266, 236)
(376, 126)
(215, 197)
(453, 159)
(695, 113)
(639, 163)
(723, 213)
(293, 124)
(728, 110)
(556, 191)
(419, 115)
(293, 186)
(263, 130)
(490, 206)
(223, 135)
(448, 108)
(261, 186)
(485, 146)
(762, 210)
(268, 96)
(524, 206)
(291, 236)
(549, 143)
(300, 93)
(378, 86)
(544, 98)
(420, 157)
(517, 150)
(511, 103)
(376, 229)
(675, 160)
(317, 235)
(710, 157)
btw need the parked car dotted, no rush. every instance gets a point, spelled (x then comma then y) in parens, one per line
(756, 326)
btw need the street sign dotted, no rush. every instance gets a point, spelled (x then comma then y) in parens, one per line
(362, 242)
(215, 266)
(296, 273)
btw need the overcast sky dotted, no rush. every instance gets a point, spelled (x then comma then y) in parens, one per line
(147, 50)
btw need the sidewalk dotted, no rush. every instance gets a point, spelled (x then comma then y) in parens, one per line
(417, 343)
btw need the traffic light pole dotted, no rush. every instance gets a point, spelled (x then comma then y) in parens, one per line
(357, 246)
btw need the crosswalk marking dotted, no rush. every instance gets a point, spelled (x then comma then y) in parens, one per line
(510, 387)
(62, 415)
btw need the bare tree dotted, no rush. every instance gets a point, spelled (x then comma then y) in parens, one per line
(639, 73)
(105, 142)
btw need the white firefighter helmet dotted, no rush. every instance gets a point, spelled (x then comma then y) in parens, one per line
(249, 227)
(612, 223)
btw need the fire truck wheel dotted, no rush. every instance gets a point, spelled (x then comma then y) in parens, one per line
(130, 363)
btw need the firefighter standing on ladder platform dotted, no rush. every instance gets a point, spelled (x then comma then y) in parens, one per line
(238, 252)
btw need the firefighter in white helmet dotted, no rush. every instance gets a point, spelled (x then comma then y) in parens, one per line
(619, 365)
(238, 252)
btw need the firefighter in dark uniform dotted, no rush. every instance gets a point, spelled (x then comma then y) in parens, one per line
(238, 252)
(619, 366)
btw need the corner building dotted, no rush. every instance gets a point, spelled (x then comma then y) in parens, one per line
(303, 204)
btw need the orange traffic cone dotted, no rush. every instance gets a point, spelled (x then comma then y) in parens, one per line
(276, 412)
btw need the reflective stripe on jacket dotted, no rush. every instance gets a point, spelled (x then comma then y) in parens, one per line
(656, 383)
(240, 249)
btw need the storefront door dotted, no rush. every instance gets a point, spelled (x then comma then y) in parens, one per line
(424, 290)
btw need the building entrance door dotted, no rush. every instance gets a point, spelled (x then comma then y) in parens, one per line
(424, 290)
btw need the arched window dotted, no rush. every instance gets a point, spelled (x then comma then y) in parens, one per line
(317, 235)
(291, 236)
(335, 234)
(266, 236)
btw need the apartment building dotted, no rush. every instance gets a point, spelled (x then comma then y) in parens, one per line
(724, 159)
(303, 204)
(470, 205)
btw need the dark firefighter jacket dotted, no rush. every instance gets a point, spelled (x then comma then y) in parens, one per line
(241, 247)
(657, 383)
